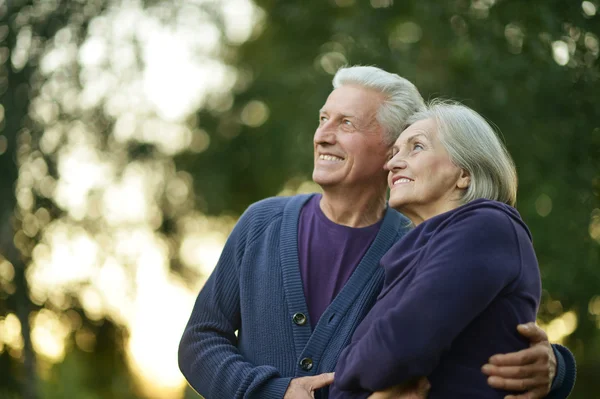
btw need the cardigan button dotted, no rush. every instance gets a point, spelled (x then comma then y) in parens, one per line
(306, 364)
(299, 319)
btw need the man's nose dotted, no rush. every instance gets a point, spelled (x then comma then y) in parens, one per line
(325, 134)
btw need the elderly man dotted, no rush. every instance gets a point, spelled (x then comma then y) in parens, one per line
(298, 274)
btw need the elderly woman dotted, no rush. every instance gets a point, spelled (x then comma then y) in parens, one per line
(457, 284)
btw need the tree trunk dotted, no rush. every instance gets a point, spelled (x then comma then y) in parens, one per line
(21, 299)
(15, 103)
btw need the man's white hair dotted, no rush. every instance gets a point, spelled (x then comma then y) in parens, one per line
(475, 147)
(402, 98)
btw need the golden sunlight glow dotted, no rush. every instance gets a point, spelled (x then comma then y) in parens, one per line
(80, 171)
(255, 113)
(114, 205)
(158, 324)
(561, 327)
(48, 335)
(69, 256)
(91, 300)
(10, 331)
(7, 271)
(589, 8)
(560, 52)
(127, 200)
(405, 33)
(174, 83)
(204, 238)
(242, 19)
(331, 61)
(112, 282)
(202, 250)
(594, 308)
(58, 58)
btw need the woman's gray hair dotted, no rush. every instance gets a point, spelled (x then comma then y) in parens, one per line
(474, 146)
(402, 98)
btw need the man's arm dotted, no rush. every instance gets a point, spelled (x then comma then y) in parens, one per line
(305, 387)
(208, 354)
(566, 371)
(555, 376)
(543, 370)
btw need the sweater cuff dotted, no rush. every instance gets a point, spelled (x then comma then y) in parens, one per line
(566, 370)
(560, 370)
(273, 389)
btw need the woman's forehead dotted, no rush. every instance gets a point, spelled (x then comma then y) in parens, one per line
(425, 128)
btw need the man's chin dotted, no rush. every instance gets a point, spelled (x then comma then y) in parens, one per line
(323, 179)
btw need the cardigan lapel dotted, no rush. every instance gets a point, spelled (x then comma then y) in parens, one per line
(393, 224)
(363, 286)
(290, 269)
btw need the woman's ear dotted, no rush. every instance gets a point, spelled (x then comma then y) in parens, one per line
(464, 180)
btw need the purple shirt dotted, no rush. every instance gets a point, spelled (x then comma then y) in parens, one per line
(328, 254)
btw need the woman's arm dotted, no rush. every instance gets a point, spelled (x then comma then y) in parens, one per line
(465, 267)
(416, 389)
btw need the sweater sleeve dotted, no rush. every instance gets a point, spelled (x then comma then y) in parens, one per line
(566, 370)
(465, 266)
(208, 354)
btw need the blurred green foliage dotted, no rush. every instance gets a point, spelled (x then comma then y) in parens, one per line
(530, 67)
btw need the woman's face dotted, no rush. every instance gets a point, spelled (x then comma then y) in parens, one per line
(423, 180)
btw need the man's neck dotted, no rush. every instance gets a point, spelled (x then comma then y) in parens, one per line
(353, 209)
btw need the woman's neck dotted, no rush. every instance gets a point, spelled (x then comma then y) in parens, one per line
(419, 214)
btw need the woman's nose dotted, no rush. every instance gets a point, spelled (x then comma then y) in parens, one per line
(395, 163)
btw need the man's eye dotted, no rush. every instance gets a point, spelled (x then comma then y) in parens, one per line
(418, 146)
(322, 118)
(347, 122)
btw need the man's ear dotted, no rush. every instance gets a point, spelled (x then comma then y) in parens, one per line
(464, 180)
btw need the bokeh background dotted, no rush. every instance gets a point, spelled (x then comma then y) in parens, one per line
(133, 134)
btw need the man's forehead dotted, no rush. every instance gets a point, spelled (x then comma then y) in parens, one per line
(351, 100)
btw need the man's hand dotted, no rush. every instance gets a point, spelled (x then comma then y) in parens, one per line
(304, 387)
(416, 390)
(530, 370)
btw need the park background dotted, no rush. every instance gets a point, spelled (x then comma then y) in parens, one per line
(134, 134)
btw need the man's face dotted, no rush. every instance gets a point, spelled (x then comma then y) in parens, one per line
(349, 144)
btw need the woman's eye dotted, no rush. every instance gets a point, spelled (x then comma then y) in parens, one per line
(322, 118)
(418, 146)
